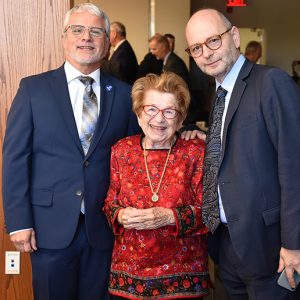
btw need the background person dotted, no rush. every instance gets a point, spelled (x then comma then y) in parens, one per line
(159, 46)
(122, 63)
(56, 165)
(250, 184)
(253, 51)
(154, 200)
(171, 40)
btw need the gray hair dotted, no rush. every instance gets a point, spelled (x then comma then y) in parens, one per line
(119, 28)
(92, 9)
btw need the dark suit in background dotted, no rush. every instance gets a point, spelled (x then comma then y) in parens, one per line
(46, 174)
(123, 63)
(259, 165)
(150, 64)
(176, 65)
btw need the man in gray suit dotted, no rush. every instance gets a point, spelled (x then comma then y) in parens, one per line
(254, 210)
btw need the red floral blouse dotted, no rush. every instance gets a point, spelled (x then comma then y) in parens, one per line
(171, 261)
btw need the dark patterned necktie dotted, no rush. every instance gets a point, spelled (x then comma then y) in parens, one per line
(89, 113)
(210, 209)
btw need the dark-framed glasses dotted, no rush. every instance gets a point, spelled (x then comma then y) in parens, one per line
(168, 113)
(79, 30)
(212, 43)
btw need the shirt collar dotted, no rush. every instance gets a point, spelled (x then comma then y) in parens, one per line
(118, 45)
(230, 79)
(166, 58)
(72, 73)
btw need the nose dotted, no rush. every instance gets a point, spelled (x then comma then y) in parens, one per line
(206, 51)
(160, 117)
(86, 34)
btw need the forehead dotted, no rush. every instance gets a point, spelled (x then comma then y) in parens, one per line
(202, 26)
(86, 18)
(160, 99)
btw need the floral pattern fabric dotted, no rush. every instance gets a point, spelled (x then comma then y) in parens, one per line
(169, 262)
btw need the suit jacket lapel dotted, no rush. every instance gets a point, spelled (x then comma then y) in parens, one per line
(106, 103)
(59, 87)
(235, 99)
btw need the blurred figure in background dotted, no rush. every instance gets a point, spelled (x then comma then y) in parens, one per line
(159, 46)
(253, 51)
(171, 40)
(150, 64)
(122, 63)
(296, 71)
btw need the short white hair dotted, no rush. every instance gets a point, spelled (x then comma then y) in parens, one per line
(92, 9)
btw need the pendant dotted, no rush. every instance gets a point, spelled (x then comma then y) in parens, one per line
(154, 198)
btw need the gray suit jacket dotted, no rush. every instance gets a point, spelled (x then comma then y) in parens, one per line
(259, 171)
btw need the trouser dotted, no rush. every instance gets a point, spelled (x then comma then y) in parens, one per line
(78, 272)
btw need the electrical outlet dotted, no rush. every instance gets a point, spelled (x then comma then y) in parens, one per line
(12, 262)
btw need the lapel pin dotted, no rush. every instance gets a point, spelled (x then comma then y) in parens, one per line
(108, 88)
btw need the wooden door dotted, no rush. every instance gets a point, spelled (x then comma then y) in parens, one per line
(30, 32)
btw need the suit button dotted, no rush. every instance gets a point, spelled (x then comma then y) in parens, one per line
(86, 163)
(79, 193)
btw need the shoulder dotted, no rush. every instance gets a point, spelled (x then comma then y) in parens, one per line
(127, 143)
(195, 147)
(271, 80)
(44, 75)
(41, 81)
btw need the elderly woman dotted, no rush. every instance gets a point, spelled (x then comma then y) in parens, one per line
(154, 200)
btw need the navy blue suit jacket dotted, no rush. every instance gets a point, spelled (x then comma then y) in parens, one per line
(45, 172)
(259, 169)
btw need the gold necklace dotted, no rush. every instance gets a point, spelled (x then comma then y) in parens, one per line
(154, 197)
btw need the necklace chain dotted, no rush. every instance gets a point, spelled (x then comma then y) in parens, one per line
(155, 197)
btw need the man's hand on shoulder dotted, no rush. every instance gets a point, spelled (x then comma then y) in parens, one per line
(192, 134)
(192, 131)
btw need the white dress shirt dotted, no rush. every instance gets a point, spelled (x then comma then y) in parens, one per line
(228, 84)
(76, 90)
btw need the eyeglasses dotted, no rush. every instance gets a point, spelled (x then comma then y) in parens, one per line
(212, 43)
(79, 30)
(168, 113)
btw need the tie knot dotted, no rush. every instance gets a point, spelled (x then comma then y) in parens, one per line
(221, 93)
(86, 80)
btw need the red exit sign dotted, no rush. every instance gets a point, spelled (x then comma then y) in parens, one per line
(232, 3)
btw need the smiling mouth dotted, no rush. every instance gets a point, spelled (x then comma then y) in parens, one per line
(86, 47)
(158, 127)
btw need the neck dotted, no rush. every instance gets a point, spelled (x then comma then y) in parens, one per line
(148, 144)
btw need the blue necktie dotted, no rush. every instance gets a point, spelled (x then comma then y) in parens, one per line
(210, 208)
(89, 113)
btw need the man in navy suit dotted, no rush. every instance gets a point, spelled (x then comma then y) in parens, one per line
(258, 192)
(53, 190)
(122, 63)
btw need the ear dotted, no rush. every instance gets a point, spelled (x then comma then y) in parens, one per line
(179, 125)
(236, 36)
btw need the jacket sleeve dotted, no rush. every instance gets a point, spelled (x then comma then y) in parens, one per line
(281, 109)
(16, 169)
